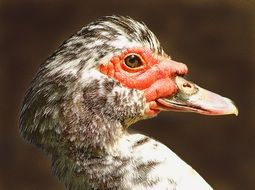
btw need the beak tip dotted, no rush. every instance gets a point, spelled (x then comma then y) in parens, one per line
(231, 107)
(235, 111)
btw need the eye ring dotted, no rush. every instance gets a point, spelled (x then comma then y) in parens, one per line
(133, 61)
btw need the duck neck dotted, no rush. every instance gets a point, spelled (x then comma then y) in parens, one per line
(95, 118)
(97, 137)
(98, 115)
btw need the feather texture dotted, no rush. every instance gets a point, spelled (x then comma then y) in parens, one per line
(79, 116)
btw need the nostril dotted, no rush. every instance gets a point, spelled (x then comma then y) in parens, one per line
(186, 85)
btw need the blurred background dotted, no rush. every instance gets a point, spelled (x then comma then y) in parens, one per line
(215, 38)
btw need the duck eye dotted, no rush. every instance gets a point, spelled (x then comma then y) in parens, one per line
(133, 61)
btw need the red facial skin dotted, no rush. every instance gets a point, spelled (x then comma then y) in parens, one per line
(155, 76)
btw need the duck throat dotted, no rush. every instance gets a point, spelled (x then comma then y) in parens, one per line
(97, 118)
(94, 121)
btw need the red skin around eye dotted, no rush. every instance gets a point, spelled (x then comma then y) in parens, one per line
(155, 77)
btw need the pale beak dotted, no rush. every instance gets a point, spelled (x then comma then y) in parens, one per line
(192, 98)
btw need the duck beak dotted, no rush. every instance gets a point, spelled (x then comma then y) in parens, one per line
(192, 98)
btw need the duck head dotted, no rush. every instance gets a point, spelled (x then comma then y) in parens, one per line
(108, 75)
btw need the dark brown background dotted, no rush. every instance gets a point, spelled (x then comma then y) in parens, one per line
(216, 39)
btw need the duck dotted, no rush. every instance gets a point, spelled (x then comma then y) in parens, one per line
(107, 76)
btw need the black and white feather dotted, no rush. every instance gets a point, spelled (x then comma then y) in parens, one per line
(79, 116)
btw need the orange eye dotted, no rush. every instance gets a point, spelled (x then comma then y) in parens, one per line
(133, 61)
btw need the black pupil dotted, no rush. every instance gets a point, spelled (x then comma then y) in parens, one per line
(133, 61)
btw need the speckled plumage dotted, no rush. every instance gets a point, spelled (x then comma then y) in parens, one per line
(80, 116)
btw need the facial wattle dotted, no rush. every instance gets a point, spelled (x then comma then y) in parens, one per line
(155, 76)
(161, 88)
